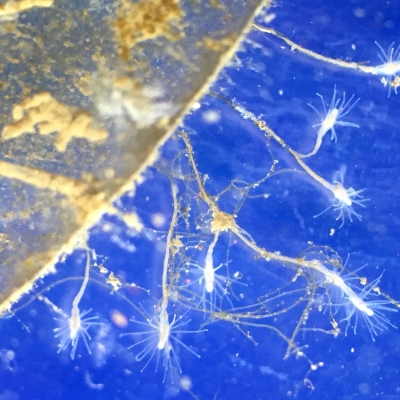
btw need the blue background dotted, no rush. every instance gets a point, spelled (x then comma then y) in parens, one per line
(270, 81)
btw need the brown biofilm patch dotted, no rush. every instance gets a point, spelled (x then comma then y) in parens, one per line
(114, 281)
(145, 20)
(217, 45)
(175, 244)
(222, 221)
(46, 115)
(42, 179)
(82, 83)
(11, 9)
(82, 194)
